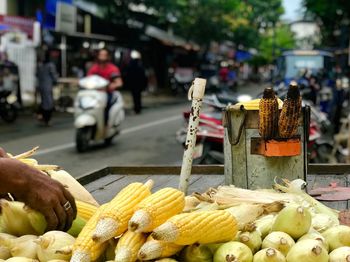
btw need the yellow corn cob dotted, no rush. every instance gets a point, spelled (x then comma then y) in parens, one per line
(84, 248)
(153, 249)
(198, 227)
(254, 104)
(128, 246)
(114, 220)
(289, 118)
(156, 209)
(85, 210)
(268, 115)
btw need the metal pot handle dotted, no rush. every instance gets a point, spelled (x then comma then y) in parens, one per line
(228, 124)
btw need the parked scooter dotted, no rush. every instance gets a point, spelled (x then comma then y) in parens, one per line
(180, 79)
(8, 105)
(90, 107)
(210, 136)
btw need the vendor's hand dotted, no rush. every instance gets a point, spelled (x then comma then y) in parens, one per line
(43, 194)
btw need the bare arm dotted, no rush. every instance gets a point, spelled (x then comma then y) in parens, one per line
(38, 191)
(116, 83)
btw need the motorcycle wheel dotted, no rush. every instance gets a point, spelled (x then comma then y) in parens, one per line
(9, 113)
(82, 139)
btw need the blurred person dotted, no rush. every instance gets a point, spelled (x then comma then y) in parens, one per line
(37, 191)
(104, 68)
(314, 88)
(47, 77)
(136, 80)
(223, 72)
(10, 72)
(337, 105)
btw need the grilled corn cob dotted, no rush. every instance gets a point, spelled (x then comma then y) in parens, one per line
(268, 115)
(128, 246)
(289, 118)
(84, 248)
(153, 249)
(156, 209)
(85, 210)
(198, 227)
(114, 220)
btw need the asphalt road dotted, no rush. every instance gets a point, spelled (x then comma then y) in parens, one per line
(148, 138)
(145, 139)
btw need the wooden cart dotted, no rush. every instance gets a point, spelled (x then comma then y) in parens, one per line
(105, 183)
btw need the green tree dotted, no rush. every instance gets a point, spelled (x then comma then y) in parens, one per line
(331, 16)
(282, 40)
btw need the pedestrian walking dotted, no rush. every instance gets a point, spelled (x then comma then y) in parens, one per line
(136, 80)
(47, 78)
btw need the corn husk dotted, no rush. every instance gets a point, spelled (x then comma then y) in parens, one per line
(19, 226)
(29, 221)
(196, 253)
(4, 248)
(251, 239)
(21, 259)
(233, 251)
(341, 254)
(278, 240)
(306, 200)
(166, 260)
(337, 236)
(269, 255)
(322, 222)
(246, 214)
(73, 186)
(264, 224)
(24, 246)
(51, 242)
(315, 236)
(307, 251)
(294, 220)
(231, 195)
(191, 203)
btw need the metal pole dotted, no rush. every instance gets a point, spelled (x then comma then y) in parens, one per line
(64, 55)
(196, 94)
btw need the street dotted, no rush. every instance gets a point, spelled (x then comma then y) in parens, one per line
(146, 139)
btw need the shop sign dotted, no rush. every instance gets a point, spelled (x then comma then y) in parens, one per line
(66, 18)
(16, 23)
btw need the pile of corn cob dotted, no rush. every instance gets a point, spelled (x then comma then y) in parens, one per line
(138, 225)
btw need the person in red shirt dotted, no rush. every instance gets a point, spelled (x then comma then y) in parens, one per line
(104, 68)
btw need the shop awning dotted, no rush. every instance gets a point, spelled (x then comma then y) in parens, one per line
(169, 39)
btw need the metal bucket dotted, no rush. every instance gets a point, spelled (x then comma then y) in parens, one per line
(244, 166)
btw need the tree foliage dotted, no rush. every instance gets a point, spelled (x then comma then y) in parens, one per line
(244, 22)
(332, 16)
(273, 42)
